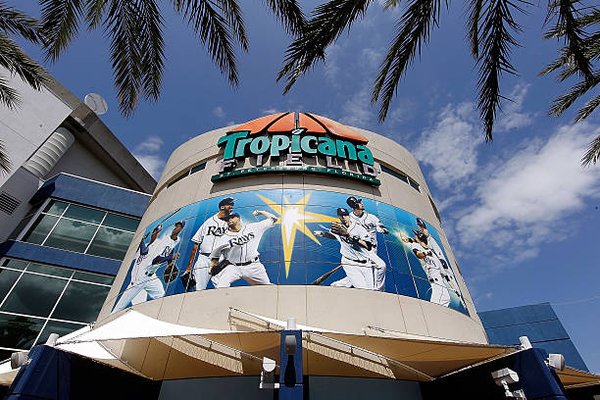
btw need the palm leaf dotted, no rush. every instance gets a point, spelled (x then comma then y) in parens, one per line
(475, 9)
(290, 14)
(587, 109)
(233, 14)
(566, 100)
(5, 163)
(412, 32)
(151, 48)
(60, 24)
(328, 21)
(592, 155)
(496, 42)
(214, 32)
(8, 96)
(19, 63)
(14, 22)
(94, 12)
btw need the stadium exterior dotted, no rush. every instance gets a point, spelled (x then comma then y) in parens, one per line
(325, 273)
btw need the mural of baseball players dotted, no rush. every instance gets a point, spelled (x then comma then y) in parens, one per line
(238, 248)
(355, 249)
(204, 240)
(149, 258)
(291, 237)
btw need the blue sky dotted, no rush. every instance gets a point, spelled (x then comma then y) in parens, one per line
(521, 213)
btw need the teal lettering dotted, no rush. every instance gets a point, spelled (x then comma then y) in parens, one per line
(259, 145)
(305, 144)
(240, 149)
(278, 143)
(295, 143)
(365, 155)
(326, 147)
(229, 141)
(345, 149)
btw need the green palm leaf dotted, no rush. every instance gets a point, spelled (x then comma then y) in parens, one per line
(60, 20)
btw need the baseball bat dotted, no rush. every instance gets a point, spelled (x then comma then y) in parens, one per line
(326, 275)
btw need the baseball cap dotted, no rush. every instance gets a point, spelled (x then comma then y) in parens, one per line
(157, 228)
(227, 201)
(232, 215)
(342, 211)
(421, 223)
(182, 223)
(353, 202)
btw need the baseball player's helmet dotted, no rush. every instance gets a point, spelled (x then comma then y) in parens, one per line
(182, 223)
(420, 235)
(232, 215)
(342, 211)
(353, 202)
(157, 229)
(421, 223)
(227, 201)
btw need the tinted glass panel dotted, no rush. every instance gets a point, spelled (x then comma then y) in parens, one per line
(18, 332)
(5, 355)
(197, 168)
(81, 302)
(16, 264)
(108, 280)
(40, 229)
(46, 269)
(34, 294)
(71, 235)
(84, 214)
(117, 221)
(7, 279)
(62, 328)
(55, 207)
(110, 243)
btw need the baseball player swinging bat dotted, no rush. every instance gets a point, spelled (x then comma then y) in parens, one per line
(326, 275)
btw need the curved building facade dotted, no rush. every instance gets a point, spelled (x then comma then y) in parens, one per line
(293, 215)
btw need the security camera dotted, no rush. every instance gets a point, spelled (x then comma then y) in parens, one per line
(267, 375)
(556, 361)
(504, 377)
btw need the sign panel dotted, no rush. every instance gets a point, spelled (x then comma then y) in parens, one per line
(291, 237)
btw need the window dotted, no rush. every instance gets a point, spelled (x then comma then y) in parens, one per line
(82, 229)
(403, 177)
(37, 300)
(185, 174)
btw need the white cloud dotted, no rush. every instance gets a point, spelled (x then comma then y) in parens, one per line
(519, 206)
(512, 115)
(356, 110)
(271, 110)
(219, 112)
(450, 146)
(147, 153)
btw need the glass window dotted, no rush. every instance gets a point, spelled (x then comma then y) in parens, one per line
(5, 355)
(197, 168)
(34, 294)
(71, 235)
(40, 229)
(7, 280)
(62, 328)
(17, 331)
(84, 214)
(84, 276)
(15, 264)
(55, 207)
(118, 221)
(110, 243)
(81, 302)
(47, 269)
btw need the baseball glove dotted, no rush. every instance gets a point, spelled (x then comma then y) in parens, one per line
(188, 280)
(170, 273)
(220, 266)
(339, 229)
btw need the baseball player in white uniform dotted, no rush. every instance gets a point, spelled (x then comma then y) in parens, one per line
(239, 246)
(355, 248)
(429, 242)
(204, 240)
(373, 225)
(432, 267)
(144, 282)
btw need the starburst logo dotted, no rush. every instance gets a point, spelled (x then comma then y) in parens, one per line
(293, 218)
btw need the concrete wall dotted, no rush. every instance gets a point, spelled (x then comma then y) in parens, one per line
(348, 310)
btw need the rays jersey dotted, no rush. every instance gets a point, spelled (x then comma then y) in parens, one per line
(212, 229)
(163, 246)
(349, 248)
(242, 247)
(371, 223)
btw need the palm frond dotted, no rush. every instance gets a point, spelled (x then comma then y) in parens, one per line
(391, 4)
(94, 12)
(413, 31)
(328, 21)
(214, 32)
(14, 22)
(151, 48)
(19, 63)
(234, 16)
(5, 163)
(571, 31)
(124, 31)
(475, 8)
(8, 96)
(587, 109)
(60, 24)
(592, 154)
(290, 14)
(566, 100)
(496, 41)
